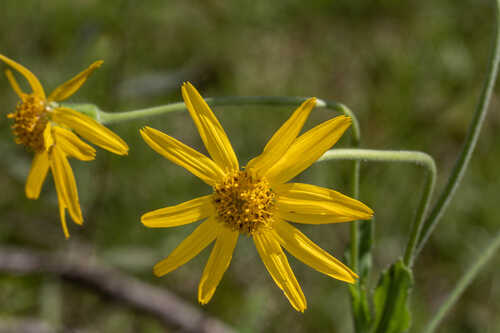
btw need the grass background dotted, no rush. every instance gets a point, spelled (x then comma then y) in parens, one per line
(411, 71)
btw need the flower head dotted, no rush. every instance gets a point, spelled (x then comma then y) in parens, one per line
(256, 201)
(45, 128)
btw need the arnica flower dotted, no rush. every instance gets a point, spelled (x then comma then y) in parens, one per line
(45, 128)
(256, 201)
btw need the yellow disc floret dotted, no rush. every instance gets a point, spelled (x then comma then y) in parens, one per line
(244, 202)
(30, 120)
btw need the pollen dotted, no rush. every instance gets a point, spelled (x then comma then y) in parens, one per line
(244, 203)
(30, 120)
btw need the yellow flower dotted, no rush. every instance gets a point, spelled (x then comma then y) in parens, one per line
(44, 127)
(256, 201)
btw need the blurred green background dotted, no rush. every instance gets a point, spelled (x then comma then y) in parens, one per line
(410, 70)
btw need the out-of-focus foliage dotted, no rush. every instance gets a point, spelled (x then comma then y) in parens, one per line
(410, 70)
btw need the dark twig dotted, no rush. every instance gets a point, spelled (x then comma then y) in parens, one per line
(158, 302)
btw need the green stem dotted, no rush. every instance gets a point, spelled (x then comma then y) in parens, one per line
(464, 282)
(470, 142)
(419, 158)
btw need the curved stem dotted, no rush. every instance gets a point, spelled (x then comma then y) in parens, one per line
(416, 157)
(464, 282)
(470, 142)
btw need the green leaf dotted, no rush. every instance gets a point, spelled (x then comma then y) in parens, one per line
(391, 300)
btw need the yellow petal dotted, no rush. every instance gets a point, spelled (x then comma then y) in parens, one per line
(62, 215)
(277, 265)
(312, 204)
(309, 253)
(283, 138)
(68, 88)
(306, 149)
(48, 139)
(211, 131)
(36, 177)
(32, 80)
(217, 264)
(90, 129)
(184, 213)
(188, 158)
(199, 239)
(65, 183)
(72, 145)
(14, 84)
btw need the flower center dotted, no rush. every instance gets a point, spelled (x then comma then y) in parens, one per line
(243, 202)
(30, 120)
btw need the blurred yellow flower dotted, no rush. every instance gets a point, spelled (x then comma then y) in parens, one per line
(255, 201)
(44, 128)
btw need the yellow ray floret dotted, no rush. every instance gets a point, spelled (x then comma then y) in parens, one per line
(69, 87)
(277, 265)
(217, 264)
(188, 158)
(211, 131)
(32, 79)
(282, 139)
(38, 173)
(309, 253)
(199, 239)
(45, 128)
(184, 213)
(304, 203)
(306, 149)
(255, 201)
